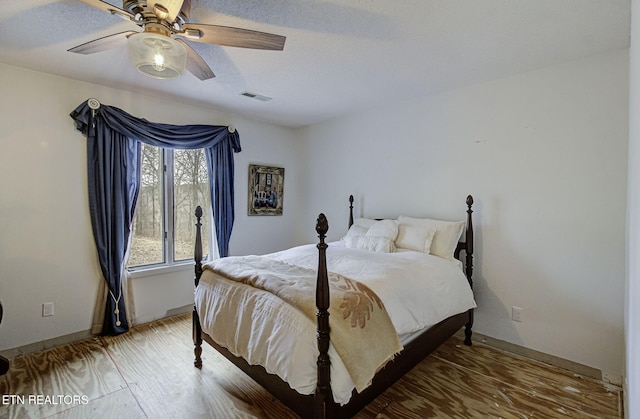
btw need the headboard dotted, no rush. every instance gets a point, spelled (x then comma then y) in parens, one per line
(465, 244)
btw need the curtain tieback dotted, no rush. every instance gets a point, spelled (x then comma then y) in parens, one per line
(117, 310)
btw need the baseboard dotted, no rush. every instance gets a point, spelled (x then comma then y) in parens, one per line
(169, 313)
(73, 337)
(566, 364)
(180, 310)
(46, 344)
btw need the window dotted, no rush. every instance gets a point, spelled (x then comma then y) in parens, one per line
(172, 184)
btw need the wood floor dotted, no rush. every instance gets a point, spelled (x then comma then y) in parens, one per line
(148, 373)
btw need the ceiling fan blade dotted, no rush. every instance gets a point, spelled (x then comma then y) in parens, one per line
(195, 64)
(165, 9)
(103, 44)
(104, 6)
(232, 37)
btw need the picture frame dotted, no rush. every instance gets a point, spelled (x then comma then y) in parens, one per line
(265, 191)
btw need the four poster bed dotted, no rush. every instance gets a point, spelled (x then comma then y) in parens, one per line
(382, 325)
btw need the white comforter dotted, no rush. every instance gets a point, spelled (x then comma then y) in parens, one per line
(418, 290)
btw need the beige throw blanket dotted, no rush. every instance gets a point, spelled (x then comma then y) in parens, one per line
(361, 330)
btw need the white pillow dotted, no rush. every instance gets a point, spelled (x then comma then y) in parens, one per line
(356, 230)
(447, 234)
(415, 237)
(371, 243)
(384, 228)
(373, 235)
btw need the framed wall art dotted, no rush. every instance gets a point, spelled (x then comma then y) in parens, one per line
(265, 190)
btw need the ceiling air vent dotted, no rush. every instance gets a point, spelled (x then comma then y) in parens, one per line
(256, 96)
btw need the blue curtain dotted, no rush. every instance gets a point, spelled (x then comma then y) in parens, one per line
(221, 184)
(113, 161)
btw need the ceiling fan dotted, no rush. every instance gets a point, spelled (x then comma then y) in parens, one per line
(161, 50)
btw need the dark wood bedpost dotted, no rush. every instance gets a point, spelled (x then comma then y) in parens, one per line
(197, 256)
(350, 210)
(323, 399)
(469, 266)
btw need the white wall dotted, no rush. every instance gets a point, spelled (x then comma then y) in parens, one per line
(632, 314)
(544, 154)
(46, 244)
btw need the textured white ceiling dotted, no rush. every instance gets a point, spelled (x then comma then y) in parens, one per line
(340, 56)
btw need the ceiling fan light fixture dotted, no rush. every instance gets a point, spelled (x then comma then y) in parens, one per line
(157, 55)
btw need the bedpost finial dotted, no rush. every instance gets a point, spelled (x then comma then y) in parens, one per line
(199, 211)
(322, 225)
(351, 199)
(469, 201)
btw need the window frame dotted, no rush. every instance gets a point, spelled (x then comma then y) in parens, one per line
(169, 264)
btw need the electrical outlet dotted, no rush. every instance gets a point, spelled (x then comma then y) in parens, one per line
(517, 314)
(47, 309)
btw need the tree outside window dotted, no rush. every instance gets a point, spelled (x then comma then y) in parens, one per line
(173, 183)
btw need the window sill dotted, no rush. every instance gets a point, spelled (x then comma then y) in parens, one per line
(160, 270)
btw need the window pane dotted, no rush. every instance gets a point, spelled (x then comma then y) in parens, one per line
(191, 188)
(147, 242)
